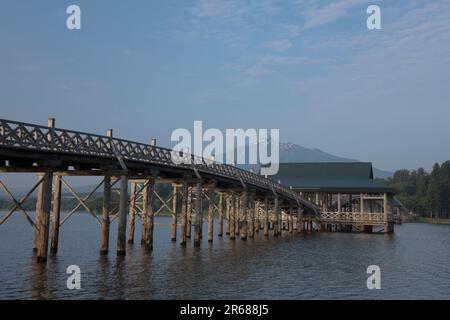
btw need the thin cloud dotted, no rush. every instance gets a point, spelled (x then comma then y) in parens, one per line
(319, 16)
(278, 45)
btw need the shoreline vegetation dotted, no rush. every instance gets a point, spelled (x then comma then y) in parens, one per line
(425, 195)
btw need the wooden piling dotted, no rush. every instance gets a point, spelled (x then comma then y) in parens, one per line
(55, 215)
(43, 207)
(132, 214)
(220, 216)
(277, 223)
(251, 215)
(211, 215)
(232, 216)
(228, 215)
(149, 199)
(197, 211)
(189, 213)
(244, 215)
(266, 217)
(173, 230)
(184, 206)
(256, 206)
(122, 216)
(106, 209)
(290, 220)
(237, 215)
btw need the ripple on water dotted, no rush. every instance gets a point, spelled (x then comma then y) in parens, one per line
(414, 263)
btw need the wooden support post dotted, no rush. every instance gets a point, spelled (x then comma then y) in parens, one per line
(122, 216)
(228, 213)
(149, 200)
(143, 219)
(361, 203)
(211, 197)
(257, 205)
(290, 220)
(106, 209)
(299, 220)
(184, 205)
(266, 217)
(55, 216)
(237, 215)
(244, 215)
(339, 202)
(386, 212)
(43, 207)
(251, 215)
(132, 215)
(173, 230)
(277, 226)
(232, 216)
(189, 213)
(197, 211)
(350, 200)
(220, 216)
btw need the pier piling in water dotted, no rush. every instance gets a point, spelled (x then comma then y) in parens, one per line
(132, 214)
(55, 215)
(211, 214)
(173, 230)
(149, 198)
(43, 207)
(122, 216)
(105, 222)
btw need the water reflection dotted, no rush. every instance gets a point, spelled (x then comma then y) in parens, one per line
(414, 263)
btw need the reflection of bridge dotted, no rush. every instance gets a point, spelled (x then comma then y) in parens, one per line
(56, 153)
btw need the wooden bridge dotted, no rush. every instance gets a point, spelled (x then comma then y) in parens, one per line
(253, 202)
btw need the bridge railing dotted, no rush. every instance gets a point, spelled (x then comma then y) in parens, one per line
(28, 136)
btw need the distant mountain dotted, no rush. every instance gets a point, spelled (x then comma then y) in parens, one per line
(291, 152)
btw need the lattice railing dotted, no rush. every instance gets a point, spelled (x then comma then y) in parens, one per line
(354, 217)
(27, 136)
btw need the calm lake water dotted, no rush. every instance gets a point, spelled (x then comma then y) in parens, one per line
(414, 262)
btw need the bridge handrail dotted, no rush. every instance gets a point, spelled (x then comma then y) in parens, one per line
(23, 135)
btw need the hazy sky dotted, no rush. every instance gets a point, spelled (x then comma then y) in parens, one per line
(310, 68)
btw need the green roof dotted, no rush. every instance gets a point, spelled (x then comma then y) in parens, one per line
(353, 177)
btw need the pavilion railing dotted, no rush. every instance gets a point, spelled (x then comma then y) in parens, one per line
(369, 217)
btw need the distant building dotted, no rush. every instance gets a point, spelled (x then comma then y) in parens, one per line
(348, 197)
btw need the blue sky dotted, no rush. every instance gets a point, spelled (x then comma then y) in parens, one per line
(310, 68)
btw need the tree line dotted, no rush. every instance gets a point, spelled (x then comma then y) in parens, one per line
(426, 194)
